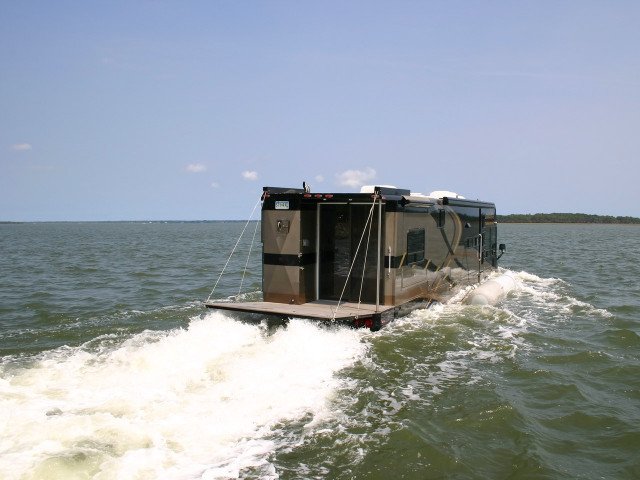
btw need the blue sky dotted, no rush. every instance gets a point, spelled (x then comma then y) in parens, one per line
(150, 110)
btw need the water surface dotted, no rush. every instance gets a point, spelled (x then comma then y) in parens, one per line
(110, 367)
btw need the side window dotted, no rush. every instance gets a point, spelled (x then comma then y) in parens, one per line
(415, 246)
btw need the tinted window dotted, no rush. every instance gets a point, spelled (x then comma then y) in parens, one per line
(415, 245)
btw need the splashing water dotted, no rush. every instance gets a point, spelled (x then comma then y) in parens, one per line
(184, 403)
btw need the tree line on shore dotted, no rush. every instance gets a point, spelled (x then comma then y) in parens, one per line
(565, 218)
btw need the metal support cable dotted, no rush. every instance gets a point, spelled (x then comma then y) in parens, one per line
(364, 264)
(234, 248)
(246, 265)
(354, 257)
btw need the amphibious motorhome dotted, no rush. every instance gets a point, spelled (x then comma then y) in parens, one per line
(366, 258)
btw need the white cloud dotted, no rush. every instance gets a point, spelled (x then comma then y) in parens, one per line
(196, 167)
(21, 146)
(319, 178)
(250, 175)
(215, 185)
(355, 178)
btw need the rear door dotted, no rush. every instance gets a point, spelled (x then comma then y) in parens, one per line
(344, 229)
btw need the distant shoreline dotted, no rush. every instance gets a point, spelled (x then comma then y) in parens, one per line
(571, 223)
(126, 221)
(515, 219)
(568, 218)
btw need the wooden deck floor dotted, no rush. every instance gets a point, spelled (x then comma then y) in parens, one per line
(321, 309)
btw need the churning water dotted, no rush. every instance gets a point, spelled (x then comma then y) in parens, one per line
(111, 368)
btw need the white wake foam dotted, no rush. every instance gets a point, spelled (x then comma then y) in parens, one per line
(195, 402)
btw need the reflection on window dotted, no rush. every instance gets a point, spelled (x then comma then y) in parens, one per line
(415, 246)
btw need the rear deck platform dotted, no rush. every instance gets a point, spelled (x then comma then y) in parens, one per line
(319, 309)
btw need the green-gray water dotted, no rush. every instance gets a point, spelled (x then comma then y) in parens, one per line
(111, 368)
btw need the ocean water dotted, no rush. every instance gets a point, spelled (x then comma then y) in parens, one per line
(110, 367)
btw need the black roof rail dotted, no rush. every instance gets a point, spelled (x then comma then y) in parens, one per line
(464, 202)
(282, 190)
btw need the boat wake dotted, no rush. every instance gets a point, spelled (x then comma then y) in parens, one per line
(225, 399)
(456, 339)
(196, 402)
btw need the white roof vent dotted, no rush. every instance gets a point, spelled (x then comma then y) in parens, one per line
(444, 193)
(372, 188)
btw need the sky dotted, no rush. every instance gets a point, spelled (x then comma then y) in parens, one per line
(184, 110)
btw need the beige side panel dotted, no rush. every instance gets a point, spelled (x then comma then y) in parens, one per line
(281, 284)
(281, 231)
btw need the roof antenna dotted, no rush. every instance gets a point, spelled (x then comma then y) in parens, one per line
(306, 186)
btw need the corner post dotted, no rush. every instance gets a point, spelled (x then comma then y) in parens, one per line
(379, 247)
